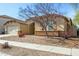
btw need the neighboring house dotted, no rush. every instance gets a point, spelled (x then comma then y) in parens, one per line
(62, 26)
(3, 19)
(13, 26)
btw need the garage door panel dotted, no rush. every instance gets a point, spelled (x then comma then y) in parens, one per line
(13, 29)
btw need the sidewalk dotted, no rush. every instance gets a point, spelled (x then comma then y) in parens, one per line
(60, 50)
(6, 35)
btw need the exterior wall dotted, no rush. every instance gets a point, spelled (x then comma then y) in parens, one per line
(73, 31)
(43, 33)
(70, 29)
(38, 27)
(24, 28)
(51, 33)
(59, 26)
(31, 28)
(58, 30)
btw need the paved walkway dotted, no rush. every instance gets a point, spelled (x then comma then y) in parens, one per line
(55, 49)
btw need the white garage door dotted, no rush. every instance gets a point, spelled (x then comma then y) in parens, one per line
(12, 29)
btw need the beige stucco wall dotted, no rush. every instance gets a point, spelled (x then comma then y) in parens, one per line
(24, 28)
(31, 27)
(59, 26)
(38, 27)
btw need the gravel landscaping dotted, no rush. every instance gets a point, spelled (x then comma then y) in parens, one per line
(70, 43)
(17, 51)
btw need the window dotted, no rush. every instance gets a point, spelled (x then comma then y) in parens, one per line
(50, 25)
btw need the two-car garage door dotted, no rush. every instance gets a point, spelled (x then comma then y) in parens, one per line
(13, 29)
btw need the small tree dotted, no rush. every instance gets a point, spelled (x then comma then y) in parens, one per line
(76, 18)
(6, 45)
(42, 11)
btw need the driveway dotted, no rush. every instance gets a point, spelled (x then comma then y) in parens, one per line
(7, 35)
(3, 54)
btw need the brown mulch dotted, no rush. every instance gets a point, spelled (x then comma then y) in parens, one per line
(17, 51)
(69, 43)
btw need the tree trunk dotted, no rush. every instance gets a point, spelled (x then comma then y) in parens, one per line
(46, 33)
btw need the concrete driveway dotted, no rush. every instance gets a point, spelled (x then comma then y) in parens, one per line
(3, 54)
(6, 35)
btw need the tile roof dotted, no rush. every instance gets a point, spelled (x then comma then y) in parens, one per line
(4, 19)
(51, 15)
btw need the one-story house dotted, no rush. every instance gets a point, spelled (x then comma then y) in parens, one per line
(62, 26)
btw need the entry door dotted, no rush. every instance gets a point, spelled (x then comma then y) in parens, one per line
(13, 29)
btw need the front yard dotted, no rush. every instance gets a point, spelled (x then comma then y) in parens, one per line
(54, 41)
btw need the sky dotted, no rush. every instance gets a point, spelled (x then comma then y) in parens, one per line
(12, 9)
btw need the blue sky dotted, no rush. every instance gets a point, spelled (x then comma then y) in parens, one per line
(12, 9)
(69, 10)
